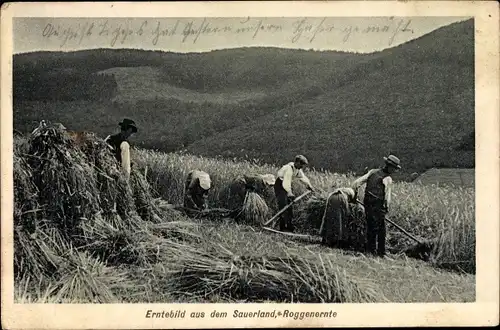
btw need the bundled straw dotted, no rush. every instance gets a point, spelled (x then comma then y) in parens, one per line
(255, 210)
(71, 186)
(25, 195)
(247, 195)
(292, 278)
(313, 212)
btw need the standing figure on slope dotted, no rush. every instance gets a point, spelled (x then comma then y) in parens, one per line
(377, 199)
(121, 146)
(283, 188)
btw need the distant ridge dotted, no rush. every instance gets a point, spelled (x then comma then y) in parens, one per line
(344, 110)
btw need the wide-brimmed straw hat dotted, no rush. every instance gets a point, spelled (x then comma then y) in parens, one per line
(393, 161)
(126, 123)
(301, 159)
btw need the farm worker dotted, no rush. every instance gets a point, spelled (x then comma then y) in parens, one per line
(196, 190)
(244, 184)
(258, 182)
(334, 224)
(283, 188)
(249, 183)
(377, 199)
(120, 144)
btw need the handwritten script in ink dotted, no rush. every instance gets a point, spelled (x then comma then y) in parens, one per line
(157, 32)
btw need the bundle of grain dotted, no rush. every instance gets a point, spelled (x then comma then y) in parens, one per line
(25, 194)
(65, 179)
(38, 254)
(83, 178)
(80, 188)
(247, 196)
(87, 280)
(313, 211)
(114, 193)
(356, 227)
(255, 210)
(115, 240)
(204, 272)
(144, 201)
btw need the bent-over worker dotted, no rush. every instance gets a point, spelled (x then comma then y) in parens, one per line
(377, 199)
(196, 190)
(258, 182)
(283, 188)
(121, 146)
(242, 185)
(334, 225)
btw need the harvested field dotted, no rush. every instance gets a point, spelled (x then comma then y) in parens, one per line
(458, 177)
(443, 214)
(84, 234)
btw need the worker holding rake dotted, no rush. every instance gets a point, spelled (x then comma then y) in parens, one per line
(121, 146)
(196, 190)
(377, 199)
(283, 188)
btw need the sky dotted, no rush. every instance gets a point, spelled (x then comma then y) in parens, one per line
(354, 34)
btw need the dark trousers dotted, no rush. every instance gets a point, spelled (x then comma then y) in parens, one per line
(283, 200)
(375, 226)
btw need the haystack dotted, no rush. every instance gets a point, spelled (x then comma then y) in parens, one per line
(82, 201)
(279, 276)
(247, 196)
(25, 194)
(311, 215)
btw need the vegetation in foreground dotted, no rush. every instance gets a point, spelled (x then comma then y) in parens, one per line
(110, 242)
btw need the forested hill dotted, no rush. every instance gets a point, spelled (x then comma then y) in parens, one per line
(344, 111)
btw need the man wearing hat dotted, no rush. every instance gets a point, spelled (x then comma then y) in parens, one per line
(120, 144)
(377, 199)
(283, 188)
(196, 189)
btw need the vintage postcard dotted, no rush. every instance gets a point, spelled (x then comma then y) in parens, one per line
(249, 164)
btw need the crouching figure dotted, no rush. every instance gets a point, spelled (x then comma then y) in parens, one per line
(258, 183)
(196, 189)
(335, 225)
(247, 197)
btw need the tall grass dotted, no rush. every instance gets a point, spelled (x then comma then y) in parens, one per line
(445, 214)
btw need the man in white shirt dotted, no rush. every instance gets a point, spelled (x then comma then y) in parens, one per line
(196, 190)
(283, 188)
(121, 146)
(377, 199)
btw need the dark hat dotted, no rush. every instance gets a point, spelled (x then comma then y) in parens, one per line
(301, 159)
(392, 160)
(126, 123)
